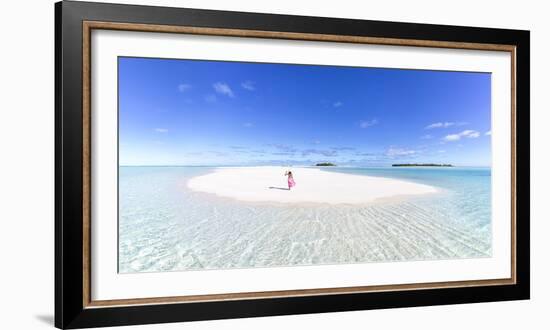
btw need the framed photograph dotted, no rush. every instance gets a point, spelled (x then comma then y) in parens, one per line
(214, 164)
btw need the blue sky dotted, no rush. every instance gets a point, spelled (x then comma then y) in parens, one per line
(188, 112)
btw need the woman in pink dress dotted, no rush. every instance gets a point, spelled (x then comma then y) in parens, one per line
(291, 182)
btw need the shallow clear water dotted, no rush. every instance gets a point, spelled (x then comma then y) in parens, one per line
(163, 226)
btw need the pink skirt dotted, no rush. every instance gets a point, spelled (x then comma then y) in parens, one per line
(291, 183)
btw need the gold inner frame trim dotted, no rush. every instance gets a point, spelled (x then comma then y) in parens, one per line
(88, 26)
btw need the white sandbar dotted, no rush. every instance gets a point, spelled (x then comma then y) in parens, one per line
(268, 184)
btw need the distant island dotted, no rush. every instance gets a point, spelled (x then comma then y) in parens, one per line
(429, 164)
(325, 164)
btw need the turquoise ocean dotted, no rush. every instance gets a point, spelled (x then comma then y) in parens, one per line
(164, 226)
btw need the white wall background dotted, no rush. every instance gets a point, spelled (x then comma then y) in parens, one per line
(27, 168)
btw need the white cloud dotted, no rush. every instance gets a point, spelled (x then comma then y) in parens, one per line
(439, 125)
(392, 152)
(426, 137)
(488, 133)
(161, 130)
(452, 137)
(184, 87)
(337, 104)
(326, 153)
(471, 134)
(223, 89)
(248, 125)
(248, 85)
(444, 124)
(367, 123)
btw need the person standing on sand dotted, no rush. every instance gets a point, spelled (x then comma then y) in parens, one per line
(291, 182)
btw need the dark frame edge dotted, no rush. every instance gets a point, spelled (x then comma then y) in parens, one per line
(58, 247)
(68, 171)
(523, 153)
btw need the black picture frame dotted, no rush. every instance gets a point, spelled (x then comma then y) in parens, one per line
(70, 309)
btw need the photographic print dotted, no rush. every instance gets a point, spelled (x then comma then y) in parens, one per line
(227, 165)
